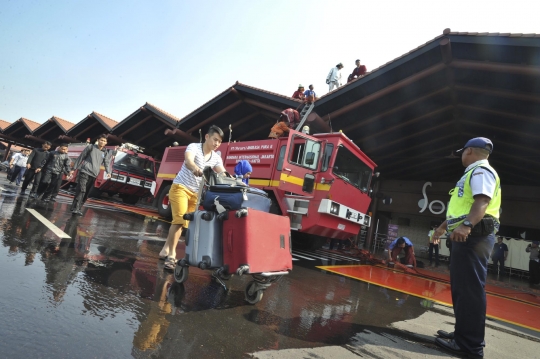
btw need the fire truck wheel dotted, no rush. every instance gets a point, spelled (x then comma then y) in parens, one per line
(253, 296)
(164, 209)
(306, 241)
(130, 199)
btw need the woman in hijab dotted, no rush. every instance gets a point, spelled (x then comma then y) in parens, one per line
(243, 169)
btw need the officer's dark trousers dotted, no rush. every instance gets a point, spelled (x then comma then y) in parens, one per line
(468, 274)
(498, 264)
(84, 184)
(534, 272)
(30, 175)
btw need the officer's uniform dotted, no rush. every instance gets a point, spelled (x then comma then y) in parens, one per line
(468, 275)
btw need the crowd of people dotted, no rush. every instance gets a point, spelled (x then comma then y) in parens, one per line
(45, 169)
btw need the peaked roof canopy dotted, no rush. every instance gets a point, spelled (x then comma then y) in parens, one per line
(91, 126)
(51, 130)
(145, 127)
(17, 131)
(250, 111)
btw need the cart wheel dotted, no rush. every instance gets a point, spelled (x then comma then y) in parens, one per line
(253, 296)
(181, 273)
(224, 276)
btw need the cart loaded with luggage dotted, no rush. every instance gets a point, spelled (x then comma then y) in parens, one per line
(234, 234)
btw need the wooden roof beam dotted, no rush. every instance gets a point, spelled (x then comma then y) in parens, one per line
(180, 135)
(406, 123)
(158, 128)
(389, 89)
(534, 120)
(396, 109)
(214, 116)
(140, 123)
(496, 67)
(254, 131)
(499, 93)
(506, 130)
(85, 129)
(386, 144)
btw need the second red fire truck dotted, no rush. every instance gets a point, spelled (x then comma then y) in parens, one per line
(132, 173)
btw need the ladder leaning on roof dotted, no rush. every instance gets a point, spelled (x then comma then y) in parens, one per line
(306, 110)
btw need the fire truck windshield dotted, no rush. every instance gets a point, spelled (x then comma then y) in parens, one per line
(351, 169)
(131, 163)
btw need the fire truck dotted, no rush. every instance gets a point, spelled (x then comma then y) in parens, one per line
(132, 173)
(321, 182)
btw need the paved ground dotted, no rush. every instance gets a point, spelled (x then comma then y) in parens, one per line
(100, 291)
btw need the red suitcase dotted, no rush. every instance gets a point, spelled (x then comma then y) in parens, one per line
(259, 240)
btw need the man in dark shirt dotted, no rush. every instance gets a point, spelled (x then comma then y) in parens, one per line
(359, 71)
(35, 163)
(57, 164)
(498, 255)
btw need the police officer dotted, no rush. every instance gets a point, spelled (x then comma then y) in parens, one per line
(472, 219)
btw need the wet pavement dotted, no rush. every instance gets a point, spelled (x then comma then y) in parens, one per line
(102, 292)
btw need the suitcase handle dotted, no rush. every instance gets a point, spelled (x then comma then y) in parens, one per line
(229, 240)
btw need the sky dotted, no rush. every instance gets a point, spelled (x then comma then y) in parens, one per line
(67, 58)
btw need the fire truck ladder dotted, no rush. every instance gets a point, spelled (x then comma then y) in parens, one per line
(306, 110)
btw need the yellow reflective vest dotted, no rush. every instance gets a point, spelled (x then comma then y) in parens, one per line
(462, 199)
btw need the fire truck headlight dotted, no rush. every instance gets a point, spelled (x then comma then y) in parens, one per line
(334, 208)
(366, 220)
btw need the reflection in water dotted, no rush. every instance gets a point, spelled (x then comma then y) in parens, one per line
(106, 280)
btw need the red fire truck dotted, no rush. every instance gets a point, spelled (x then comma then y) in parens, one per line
(322, 182)
(132, 173)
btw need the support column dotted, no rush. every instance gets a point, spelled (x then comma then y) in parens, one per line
(374, 205)
(7, 151)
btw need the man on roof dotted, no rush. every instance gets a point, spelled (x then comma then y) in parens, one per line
(299, 94)
(334, 77)
(359, 71)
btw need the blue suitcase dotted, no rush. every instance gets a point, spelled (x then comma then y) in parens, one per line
(236, 197)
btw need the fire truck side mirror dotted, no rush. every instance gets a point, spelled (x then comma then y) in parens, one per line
(310, 158)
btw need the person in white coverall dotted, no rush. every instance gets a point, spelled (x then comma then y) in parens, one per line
(334, 77)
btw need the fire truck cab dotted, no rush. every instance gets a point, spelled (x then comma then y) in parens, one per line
(132, 173)
(321, 182)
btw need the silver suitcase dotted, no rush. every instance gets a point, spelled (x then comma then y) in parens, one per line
(204, 248)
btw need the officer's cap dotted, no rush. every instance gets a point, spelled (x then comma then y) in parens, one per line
(478, 142)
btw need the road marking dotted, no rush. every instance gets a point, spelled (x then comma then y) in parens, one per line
(48, 224)
(298, 255)
(312, 255)
(339, 256)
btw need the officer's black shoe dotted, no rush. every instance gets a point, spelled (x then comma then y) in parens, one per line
(77, 213)
(451, 346)
(445, 335)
